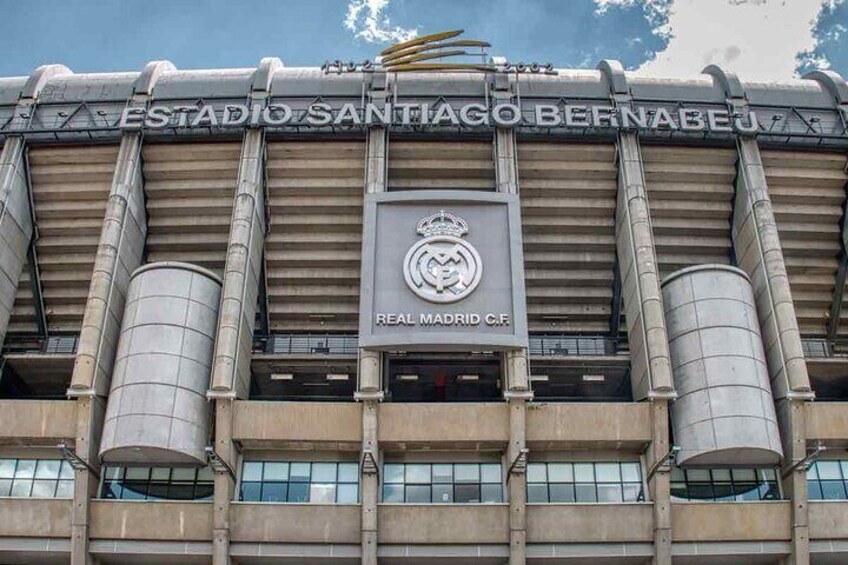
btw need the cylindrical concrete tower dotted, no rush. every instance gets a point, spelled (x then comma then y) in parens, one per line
(724, 414)
(157, 412)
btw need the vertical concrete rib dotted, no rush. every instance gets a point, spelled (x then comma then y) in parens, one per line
(120, 251)
(16, 227)
(759, 253)
(370, 384)
(517, 392)
(650, 362)
(239, 296)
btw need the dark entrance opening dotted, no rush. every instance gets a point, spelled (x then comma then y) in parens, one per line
(423, 377)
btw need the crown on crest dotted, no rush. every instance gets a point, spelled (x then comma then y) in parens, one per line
(442, 223)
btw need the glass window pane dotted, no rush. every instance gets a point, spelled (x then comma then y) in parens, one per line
(276, 471)
(702, 475)
(814, 490)
(417, 473)
(744, 475)
(827, 470)
(724, 491)
(348, 473)
(442, 493)
(298, 472)
(746, 491)
(21, 487)
(393, 473)
(443, 473)
(7, 468)
(159, 490)
(631, 472)
(584, 472)
(252, 471)
(48, 469)
(110, 472)
(298, 492)
(347, 493)
(677, 474)
(467, 493)
(274, 492)
(322, 492)
(181, 491)
(812, 472)
(251, 492)
(537, 473)
(160, 474)
(134, 491)
(607, 473)
(183, 474)
(609, 492)
(585, 493)
(722, 475)
(537, 492)
(67, 472)
(205, 474)
(43, 488)
(466, 473)
(25, 469)
(5, 487)
(137, 473)
(65, 489)
(769, 474)
(831, 490)
(112, 489)
(392, 493)
(844, 469)
(204, 491)
(323, 472)
(701, 491)
(490, 473)
(769, 491)
(630, 492)
(418, 493)
(561, 492)
(491, 492)
(679, 490)
(560, 473)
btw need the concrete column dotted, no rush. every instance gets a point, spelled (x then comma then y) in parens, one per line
(506, 161)
(660, 485)
(517, 394)
(650, 362)
(234, 337)
(16, 227)
(370, 393)
(237, 315)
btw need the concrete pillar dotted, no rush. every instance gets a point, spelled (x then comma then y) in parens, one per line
(517, 394)
(15, 225)
(234, 335)
(660, 485)
(370, 393)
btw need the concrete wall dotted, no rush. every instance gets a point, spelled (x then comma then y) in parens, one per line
(731, 521)
(37, 422)
(589, 523)
(295, 523)
(443, 523)
(828, 520)
(827, 421)
(444, 423)
(258, 423)
(569, 425)
(34, 517)
(151, 520)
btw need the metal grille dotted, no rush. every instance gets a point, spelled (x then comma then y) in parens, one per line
(312, 344)
(563, 345)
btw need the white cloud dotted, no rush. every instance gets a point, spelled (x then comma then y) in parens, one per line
(367, 20)
(757, 39)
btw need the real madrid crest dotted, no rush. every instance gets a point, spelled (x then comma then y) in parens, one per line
(442, 267)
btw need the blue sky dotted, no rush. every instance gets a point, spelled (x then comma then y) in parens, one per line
(759, 39)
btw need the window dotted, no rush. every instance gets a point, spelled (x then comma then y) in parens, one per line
(584, 482)
(36, 478)
(724, 484)
(297, 481)
(828, 480)
(426, 483)
(157, 483)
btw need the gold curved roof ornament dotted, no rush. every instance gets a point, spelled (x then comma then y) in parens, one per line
(408, 55)
(423, 48)
(423, 57)
(422, 40)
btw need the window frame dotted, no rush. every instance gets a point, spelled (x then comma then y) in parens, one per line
(203, 478)
(63, 478)
(449, 488)
(573, 483)
(763, 484)
(310, 484)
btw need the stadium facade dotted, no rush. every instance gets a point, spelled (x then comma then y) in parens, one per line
(334, 316)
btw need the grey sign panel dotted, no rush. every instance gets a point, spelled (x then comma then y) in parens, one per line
(442, 270)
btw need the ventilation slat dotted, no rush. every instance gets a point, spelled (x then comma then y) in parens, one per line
(464, 165)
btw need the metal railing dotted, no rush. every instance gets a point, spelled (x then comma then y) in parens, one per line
(52, 345)
(308, 344)
(553, 345)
